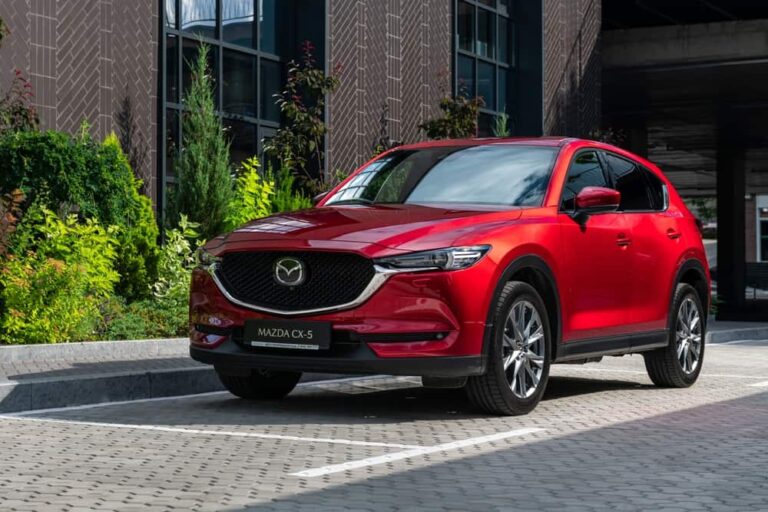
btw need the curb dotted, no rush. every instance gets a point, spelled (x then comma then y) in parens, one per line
(98, 350)
(749, 333)
(34, 394)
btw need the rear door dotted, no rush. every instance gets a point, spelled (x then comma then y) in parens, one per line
(657, 243)
(598, 270)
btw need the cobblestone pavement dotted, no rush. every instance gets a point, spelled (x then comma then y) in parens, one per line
(603, 439)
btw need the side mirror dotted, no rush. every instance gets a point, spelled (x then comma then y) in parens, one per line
(593, 200)
(318, 198)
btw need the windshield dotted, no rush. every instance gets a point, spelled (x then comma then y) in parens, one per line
(506, 175)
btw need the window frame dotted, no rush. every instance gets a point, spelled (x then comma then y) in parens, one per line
(603, 167)
(499, 67)
(263, 127)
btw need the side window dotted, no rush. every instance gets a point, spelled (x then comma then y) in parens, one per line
(657, 190)
(585, 171)
(629, 179)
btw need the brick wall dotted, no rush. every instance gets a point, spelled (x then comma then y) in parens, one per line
(572, 70)
(393, 52)
(82, 58)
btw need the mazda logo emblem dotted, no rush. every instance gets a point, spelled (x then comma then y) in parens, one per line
(289, 272)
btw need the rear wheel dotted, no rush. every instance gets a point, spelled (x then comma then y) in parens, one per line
(679, 363)
(519, 355)
(261, 384)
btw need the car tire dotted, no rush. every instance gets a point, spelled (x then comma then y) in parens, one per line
(511, 351)
(678, 365)
(261, 384)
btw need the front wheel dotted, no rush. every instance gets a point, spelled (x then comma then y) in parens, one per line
(519, 355)
(261, 384)
(679, 363)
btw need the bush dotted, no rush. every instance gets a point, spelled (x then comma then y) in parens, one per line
(138, 254)
(204, 186)
(252, 197)
(458, 119)
(287, 197)
(75, 174)
(58, 279)
(145, 320)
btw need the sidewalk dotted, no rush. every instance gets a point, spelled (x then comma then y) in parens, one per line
(49, 376)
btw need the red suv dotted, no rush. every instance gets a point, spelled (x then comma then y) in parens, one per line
(473, 264)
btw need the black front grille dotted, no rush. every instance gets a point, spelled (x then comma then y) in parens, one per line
(333, 279)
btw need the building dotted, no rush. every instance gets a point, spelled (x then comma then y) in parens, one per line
(685, 81)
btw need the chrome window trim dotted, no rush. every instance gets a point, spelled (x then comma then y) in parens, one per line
(380, 276)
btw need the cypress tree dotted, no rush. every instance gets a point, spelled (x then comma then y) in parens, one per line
(204, 179)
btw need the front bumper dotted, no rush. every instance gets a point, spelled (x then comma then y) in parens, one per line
(230, 358)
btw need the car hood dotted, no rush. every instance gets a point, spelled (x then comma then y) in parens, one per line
(366, 229)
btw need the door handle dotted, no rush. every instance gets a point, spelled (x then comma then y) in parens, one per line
(673, 234)
(623, 241)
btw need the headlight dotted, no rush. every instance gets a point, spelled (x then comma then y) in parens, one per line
(452, 258)
(205, 259)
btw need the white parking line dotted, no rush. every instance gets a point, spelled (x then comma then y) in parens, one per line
(415, 452)
(735, 342)
(257, 435)
(641, 372)
(759, 384)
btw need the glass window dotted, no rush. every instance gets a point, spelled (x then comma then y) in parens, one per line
(466, 23)
(504, 40)
(486, 84)
(503, 6)
(271, 79)
(500, 175)
(503, 87)
(486, 33)
(656, 189)
(489, 3)
(172, 69)
(239, 75)
(237, 22)
(628, 179)
(268, 25)
(485, 124)
(242, 138)
(466, 76)
(199, 17)
(585, 171)
(170, 13)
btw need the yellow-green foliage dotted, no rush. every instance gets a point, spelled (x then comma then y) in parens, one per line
(252, 197)
(58, 279)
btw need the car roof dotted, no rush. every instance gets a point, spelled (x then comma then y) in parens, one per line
(523, 141)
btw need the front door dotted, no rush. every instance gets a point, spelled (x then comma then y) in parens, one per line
(597, 258)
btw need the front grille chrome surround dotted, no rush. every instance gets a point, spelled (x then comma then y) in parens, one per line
(380, 276)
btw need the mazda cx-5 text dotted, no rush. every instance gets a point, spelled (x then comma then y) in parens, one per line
(472, 264)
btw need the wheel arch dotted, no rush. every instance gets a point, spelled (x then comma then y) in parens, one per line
(692, 272)
(536, 272)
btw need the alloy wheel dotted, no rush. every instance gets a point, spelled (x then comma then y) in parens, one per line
(523, 349)
(688, 336)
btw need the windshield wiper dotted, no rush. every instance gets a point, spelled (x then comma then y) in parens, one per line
(358, 200)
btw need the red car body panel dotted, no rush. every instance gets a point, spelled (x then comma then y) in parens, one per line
(613, 278)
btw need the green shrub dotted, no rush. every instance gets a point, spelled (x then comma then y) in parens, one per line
(58, 279)
(145, 320)
(175, 266)
(204, 186)
(287, 197)
(75, 174)
(139, 253)
(252, 198)
(458, 119)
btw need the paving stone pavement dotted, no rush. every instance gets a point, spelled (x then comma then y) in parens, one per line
(602, 439)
